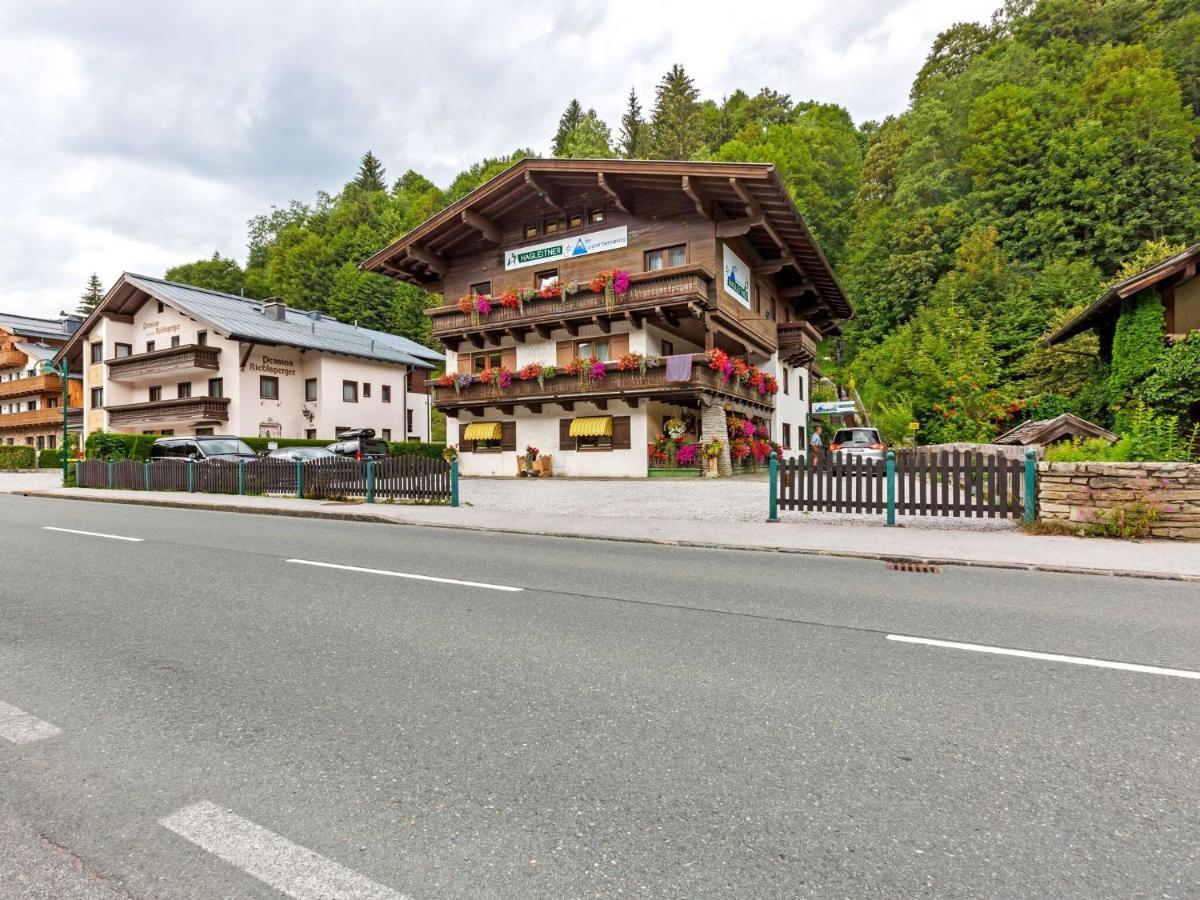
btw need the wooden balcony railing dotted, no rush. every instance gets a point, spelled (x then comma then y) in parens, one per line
(186, 409)
(797, 342)
(34, 418)
(616, 384)
(38, 384)
(167, 361)
(10, 358)
(647, 290)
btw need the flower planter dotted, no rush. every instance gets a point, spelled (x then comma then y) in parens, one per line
(523, 468)
(542, 467)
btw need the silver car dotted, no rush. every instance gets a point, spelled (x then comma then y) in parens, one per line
(303, 454)
(864, 443)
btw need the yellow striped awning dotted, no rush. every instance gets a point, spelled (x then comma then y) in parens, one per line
(591, 426)
(482, 431)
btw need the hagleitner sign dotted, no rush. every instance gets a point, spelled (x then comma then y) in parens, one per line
(737, 277)
(566, 248)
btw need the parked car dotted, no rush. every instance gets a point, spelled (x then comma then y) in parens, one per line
(864, 443)
(202, 447)
(301, 454)
(360, 444)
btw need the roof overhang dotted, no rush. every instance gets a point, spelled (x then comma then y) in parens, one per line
(743, 199)
(1180, 264)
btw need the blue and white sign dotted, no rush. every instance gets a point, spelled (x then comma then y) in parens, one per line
(838, 407)
(736, 281)
(565, 248)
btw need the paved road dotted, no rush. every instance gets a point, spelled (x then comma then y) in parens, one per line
(203, 713)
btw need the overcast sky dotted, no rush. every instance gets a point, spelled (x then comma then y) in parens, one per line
(138, 135)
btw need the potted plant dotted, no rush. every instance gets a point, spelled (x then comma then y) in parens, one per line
(542, 465)
(712, 452)
(525, 463)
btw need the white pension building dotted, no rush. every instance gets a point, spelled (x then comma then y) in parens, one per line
(164, 358)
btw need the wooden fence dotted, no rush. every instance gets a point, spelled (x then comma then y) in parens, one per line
(954, 483)
(411, 478)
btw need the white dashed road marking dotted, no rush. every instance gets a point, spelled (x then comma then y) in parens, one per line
(289, 868)
(111, 537)
(20, 727)
(478, 584)
(1048, 657)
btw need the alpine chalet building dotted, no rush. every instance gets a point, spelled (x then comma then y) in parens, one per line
(592, 304)
(31, 398)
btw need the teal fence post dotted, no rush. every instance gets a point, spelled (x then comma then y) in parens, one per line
(109, 464)
(191, 476)
(241, 476)
(370, 480)
(1030, 487)
(146, 474)
(891, 487)
(773, 503)
(299, 479)
(454, 482)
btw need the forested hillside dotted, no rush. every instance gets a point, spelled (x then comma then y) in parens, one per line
(1040, 153)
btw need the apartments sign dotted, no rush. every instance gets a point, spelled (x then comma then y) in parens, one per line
(567, 248)
(737, 277)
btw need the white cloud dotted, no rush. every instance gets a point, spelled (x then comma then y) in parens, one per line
(141, 134)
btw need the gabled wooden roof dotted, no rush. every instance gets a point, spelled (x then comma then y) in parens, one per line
(1179, 263)
(739, 193)
(1047, 431)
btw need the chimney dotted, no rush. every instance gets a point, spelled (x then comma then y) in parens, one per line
(275, 308)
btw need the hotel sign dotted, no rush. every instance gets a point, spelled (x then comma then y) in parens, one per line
(566, 248)
(737, 277)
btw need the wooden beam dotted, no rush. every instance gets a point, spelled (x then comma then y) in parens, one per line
(517, 334)
(549, 198)
(632, 401)
(634, 320)
(567, 405)
(571, 327)
(543, 331)
(428, 258)
(770, 268)
(796, 290)
(505, 409)
(476, 340)
(534, 407)
(620, 198)
(485, 226)
(737, 227)
(603, 324)
(753, 210)
(494, 337)
(667, 316)
(601, 404)
(703, 206)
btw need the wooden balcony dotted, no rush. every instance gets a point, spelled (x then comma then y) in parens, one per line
(10, 358)
(37, 418)
(650, 293)
(162, 412)
(797, 342)
(27, 387)
(630, 386)
(183, 361)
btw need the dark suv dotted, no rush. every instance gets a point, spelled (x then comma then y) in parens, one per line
(202, 446)
(360, 444)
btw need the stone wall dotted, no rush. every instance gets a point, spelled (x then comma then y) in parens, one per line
(1076, 492)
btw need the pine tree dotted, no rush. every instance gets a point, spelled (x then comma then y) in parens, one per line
(633, 129)
(91, 296)
(371, 174)
(674, 124)
(591, 139)
(567, 123)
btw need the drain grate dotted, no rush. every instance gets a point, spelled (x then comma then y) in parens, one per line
(915, 567)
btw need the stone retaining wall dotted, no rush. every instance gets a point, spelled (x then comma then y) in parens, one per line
(1075, 492)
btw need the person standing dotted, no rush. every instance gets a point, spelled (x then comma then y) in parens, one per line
(815, 445)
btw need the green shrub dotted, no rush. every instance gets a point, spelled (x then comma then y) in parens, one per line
(260, 444)
(114, 445)
(15, 457)
(50, 459)
(416, 448)
(1090, 450)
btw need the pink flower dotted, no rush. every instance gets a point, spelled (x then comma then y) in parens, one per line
(597, 372)
(482, 306)
(620, 281)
